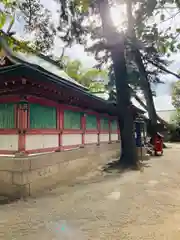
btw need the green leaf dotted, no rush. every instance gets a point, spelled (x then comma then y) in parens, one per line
(2, 20)
(172, 47)
(178, 30)
(162, 49)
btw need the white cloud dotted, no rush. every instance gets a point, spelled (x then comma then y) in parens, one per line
(163, 102)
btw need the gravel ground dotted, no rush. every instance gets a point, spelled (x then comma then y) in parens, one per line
(134, 205)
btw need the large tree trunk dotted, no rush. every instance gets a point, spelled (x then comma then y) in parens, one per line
(116, 45)
(145, 85)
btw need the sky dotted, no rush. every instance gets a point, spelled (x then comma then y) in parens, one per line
(163, 91)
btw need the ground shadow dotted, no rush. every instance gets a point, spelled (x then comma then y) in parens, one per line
(116, 166)
(7, 200)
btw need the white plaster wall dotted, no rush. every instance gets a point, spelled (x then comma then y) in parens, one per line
(91, 138)
(104, 137)
(114, 137)
(71, 139)
(9, 142)
(41, 141)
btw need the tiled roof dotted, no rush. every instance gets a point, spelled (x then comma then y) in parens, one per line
(48, 66)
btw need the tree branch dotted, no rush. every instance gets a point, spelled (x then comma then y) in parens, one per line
(163, 68)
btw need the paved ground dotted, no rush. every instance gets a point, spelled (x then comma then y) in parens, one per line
(135, 205)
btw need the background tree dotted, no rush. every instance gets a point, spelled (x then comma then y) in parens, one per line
(91, 78)
(176, 102)
(7, 13)
(39, 23)
(175, 117)
(176, 95)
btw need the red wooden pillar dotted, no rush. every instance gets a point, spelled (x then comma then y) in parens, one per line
(98, 128)
(60, 122)
(58, 126)
(22, 125)
(83, 127)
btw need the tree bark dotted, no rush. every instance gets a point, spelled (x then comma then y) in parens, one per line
(146, 89)
(145, 85)
(115, 42)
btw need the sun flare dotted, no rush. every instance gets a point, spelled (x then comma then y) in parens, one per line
(119, 17)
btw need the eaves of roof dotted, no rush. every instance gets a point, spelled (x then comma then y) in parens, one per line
(37, 72)
(28, 71)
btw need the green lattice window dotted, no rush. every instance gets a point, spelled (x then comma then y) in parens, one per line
(91, 122)
(42, 116)
(114, 125)
(7, 115)
(72, 120)
(104, 124)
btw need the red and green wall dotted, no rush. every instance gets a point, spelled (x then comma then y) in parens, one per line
(43, 126)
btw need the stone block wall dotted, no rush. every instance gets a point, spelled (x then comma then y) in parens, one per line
(20, 177)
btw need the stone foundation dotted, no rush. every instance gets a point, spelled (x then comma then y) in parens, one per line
(21, 177)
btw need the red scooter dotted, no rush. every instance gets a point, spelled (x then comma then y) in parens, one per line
(158, 145)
